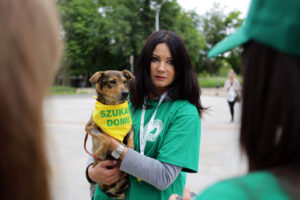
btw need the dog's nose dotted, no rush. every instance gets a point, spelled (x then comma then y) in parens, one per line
(124, 94)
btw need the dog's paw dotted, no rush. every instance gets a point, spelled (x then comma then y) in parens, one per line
(95, 131)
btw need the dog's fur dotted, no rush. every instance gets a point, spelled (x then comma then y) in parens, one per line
(112, 88)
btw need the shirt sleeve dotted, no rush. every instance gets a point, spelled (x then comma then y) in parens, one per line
(237, 84)
(160, 175)
(182, 140)
(93, 184)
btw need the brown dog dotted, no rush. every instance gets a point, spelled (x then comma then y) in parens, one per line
(112, 88)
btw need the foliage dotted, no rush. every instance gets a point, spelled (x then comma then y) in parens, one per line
(216, 26)
(193, 39)
(103, 34)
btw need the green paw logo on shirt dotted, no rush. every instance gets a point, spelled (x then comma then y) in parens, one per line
(152, 130)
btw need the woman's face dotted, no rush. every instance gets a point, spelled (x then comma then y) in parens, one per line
(162, 69)
(231, 76)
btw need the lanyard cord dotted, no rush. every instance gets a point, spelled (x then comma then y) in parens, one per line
(144, 135)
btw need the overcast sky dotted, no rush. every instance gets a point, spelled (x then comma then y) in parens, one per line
(201, 6)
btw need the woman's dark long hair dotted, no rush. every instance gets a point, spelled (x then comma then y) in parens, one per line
(185, 85)
(270, 129)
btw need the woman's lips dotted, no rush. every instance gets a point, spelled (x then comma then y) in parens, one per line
(160, 78)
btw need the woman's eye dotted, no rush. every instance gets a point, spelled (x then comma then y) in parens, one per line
(112, 82)
(170, 62)
(153, 59)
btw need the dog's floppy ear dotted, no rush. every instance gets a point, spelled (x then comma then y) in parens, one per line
(96, 77)
(129, 76)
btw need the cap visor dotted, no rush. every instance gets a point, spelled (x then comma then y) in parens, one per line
(231, 41)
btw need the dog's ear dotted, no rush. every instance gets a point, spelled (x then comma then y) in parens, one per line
(96, 77)
(129, 76)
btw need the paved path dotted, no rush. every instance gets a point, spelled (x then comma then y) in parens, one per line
(65, 120)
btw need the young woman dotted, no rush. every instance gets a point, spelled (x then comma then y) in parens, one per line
(30, 50)
(166, 110)
(270, 128)
(232, 87)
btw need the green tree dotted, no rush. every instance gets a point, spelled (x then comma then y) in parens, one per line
(102, 34)
(97, 35)
(80, 23)
(184, 24)
(215, 26)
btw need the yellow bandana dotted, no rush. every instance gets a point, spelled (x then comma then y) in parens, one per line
(114, 120)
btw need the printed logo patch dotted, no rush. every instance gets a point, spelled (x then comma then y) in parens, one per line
(152, 130)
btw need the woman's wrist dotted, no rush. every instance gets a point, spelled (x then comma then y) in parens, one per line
(114, 144)
(123, 153)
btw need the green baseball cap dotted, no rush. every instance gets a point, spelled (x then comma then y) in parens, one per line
(275, 23)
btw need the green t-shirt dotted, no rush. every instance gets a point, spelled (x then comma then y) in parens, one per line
(175, 140)
(254, 186)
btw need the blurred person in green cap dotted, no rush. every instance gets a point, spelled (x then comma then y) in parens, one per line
(270, 127)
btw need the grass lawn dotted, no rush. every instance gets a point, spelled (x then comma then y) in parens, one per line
(62, 90)
(211, 82)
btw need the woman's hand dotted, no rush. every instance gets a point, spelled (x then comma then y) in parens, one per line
(114, 145)
(185, 196)
(101, 174)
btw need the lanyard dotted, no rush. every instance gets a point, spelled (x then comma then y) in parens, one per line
(144, 135)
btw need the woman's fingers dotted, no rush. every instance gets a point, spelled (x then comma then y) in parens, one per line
(186, 194)
(106, 172)
(114, 175)
(174, 197)
(112, 179)
(108, 163)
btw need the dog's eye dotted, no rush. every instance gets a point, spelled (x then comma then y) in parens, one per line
(125, 82)
(112, 82)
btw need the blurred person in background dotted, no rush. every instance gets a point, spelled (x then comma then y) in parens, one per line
(232, 87)
(30, 51)
(270, 128)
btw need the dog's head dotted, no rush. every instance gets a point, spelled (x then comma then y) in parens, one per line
(112, 86)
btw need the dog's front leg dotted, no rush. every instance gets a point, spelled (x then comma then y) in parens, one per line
(101, 142)
(130, 139)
